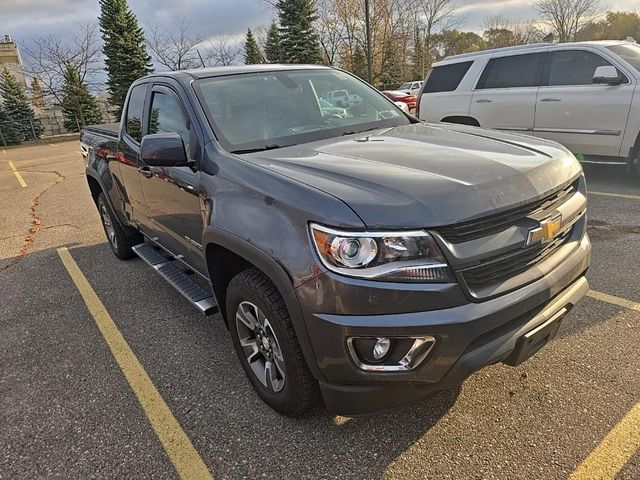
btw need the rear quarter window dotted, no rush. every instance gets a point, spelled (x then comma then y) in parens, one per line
(446, 78)
(513, 71)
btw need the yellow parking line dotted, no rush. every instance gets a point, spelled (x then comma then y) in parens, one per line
(181, 452)
(15, 171)
(620, 195)
(614, 451)
(621, 302)
(623, 441)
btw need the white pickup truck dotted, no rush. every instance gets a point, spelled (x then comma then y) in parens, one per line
(342, 98)
(581, 95)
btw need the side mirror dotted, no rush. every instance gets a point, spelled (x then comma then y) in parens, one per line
(607, 75)
(163, 150)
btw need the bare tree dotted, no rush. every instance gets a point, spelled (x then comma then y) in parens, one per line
(500, 31)
(331, 29)
(260, 34)
(566, 17)
(51, 56)
(174, 47)
(222, 49)
(434, 16)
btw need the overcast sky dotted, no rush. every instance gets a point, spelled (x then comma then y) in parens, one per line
(24, 19)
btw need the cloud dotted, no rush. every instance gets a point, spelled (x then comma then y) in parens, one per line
(27, 19)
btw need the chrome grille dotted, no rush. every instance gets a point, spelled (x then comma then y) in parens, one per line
(473, 229)
(507, 266)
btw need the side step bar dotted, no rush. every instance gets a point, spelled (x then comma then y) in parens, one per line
(178, 278)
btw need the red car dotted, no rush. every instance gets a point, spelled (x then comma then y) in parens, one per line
(398, 96)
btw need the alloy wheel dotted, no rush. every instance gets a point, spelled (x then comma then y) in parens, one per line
(260, 346)
(108, 226)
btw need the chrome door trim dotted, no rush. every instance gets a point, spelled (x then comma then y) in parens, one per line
(576, 131)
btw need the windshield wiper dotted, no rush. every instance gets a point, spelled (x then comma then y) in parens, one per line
(258, 149)
(353, 132)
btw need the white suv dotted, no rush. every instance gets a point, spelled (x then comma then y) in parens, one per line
(578, 94)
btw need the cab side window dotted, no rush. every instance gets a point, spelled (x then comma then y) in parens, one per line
(135, 108)
(167, 116)
(574, 67)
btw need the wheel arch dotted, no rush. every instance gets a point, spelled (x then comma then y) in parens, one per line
(461, 120)
(226, 255)
(95, 187)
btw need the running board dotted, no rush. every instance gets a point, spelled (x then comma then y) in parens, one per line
(178, 278)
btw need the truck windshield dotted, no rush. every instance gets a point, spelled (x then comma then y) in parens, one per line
(629, 52)
(261, 111)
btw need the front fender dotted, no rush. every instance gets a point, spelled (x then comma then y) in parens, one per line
(276, 273)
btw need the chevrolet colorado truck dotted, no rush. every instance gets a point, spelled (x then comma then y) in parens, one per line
(368, 257)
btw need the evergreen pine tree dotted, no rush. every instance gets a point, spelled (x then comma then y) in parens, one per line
(359, 63)
(390, 76)
(17, 110)
(299, 41)
(251, 51)
(78, 105)
(126, 56)
(419, 55)
(9, 132)
(272, 46)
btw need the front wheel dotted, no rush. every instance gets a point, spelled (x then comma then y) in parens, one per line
(266, 343)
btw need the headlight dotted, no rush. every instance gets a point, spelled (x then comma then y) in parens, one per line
(391, 256)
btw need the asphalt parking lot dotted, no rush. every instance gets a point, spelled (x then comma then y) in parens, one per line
(68, 407)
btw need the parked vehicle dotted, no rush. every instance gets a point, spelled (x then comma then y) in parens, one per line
(327, 109)
(579, 94)
(373, 258)
(412, 88)
(398, 96)
(402, 106)
(342, 98)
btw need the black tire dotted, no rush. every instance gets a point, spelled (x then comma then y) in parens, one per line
(633, 161)
(120, 238)
(299, 392)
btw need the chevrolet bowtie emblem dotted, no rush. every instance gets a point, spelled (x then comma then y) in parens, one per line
(546, 231)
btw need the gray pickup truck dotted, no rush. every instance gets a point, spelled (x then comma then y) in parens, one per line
(364, 256)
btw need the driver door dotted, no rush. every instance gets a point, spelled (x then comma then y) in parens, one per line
(174, 208)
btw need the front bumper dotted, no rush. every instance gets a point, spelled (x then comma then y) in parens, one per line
(469, 336)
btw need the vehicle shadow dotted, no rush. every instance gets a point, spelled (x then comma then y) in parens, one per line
(611, 178)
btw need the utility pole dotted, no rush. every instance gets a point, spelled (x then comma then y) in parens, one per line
(368, 29)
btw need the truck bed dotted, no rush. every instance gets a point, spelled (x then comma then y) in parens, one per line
(106, 129)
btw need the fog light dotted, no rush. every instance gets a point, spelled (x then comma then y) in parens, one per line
(381, 348)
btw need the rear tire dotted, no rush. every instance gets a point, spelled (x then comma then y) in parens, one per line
(267, 346)
(120, 238)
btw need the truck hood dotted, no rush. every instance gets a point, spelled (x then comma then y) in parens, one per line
(423, 175)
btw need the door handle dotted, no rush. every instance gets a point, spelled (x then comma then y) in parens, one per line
(550, 99)
(483, 100)
(146, 172)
